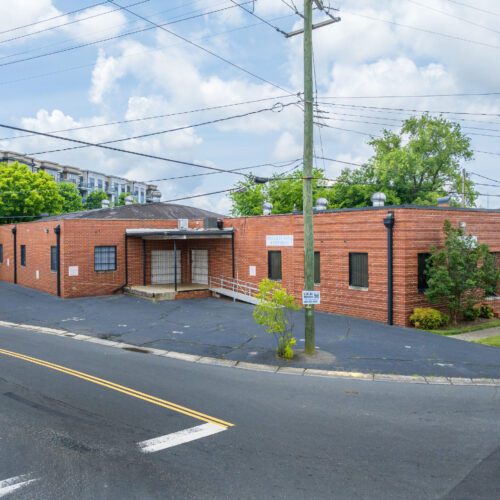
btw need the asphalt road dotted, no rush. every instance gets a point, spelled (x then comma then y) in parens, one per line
(76, 436)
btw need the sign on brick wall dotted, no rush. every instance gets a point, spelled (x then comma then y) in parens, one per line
(279, 240)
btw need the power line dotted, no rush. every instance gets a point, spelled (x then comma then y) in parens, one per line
(453, 16)
(464, 113)
(208, 51)
(154, 117)
(475, 8)
(260, 18)
(42, 75)
(415, 28)
(278, 107)
(112, 148)
(52, 18)
(107, 39)
(396, 96)
(68, 23)
(484, 177)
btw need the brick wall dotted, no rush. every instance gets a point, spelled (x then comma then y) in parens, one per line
(336, 235)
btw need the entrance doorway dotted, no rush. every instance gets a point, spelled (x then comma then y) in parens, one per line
(162, 267)
(199, 267)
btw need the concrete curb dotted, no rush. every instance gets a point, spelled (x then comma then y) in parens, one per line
(242, 365)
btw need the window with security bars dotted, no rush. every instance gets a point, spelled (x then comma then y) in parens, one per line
(274, 264)
(1, 254)
(317, 268)
(53, 259)
(422, 266)
(105, 258)
(358, 270)
(23, 255)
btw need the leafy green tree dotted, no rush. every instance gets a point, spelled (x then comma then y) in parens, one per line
(283, 191)
(274, 311)
(94, 199)
(415, 166)
(461, 273)
(121, 199)
(72, 200)
(24, 193)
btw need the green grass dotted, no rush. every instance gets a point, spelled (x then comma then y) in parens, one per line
(492, 341)
(468, 328)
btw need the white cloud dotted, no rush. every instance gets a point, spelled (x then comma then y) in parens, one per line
(287, 146)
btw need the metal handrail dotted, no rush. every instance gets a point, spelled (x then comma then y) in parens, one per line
(234, 284)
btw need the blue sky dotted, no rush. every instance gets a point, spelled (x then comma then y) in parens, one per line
(367, 55)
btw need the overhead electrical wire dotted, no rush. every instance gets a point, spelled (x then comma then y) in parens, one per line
(424, 30)
(82, 66)
(279, 30)
(204, 49)
(278, 107)
(54, 17)
(113, 148)
(469, 6)
(396, 96)
(107, 39)
(463, 19)
(154, 117)
(79, 20)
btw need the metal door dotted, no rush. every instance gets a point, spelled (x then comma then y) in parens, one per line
(199, 266)
(162, 267)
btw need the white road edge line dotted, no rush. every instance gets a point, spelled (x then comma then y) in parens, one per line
(181, 437)
(8, 486)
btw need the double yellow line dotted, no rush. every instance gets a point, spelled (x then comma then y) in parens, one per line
(120, 388)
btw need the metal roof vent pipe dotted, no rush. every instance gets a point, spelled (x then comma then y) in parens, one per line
(267, 208)
(129, 200)
(378, 199)
(105, 204)
(321, 204)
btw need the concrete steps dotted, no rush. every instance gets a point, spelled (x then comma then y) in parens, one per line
(151, 294)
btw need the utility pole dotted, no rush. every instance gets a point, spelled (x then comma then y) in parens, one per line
(310, 342)
(463, 187)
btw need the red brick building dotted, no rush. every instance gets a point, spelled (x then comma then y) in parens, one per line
(105, 251)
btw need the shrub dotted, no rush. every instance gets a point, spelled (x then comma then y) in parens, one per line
(428, 318)
(486, 311)
(274, 311)
(471, 313)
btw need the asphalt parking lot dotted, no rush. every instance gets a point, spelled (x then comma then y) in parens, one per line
(225, 329)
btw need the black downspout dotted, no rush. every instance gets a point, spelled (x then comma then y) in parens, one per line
(389, 224)
(14, 234)
(126, 259)
(57, 230)
(175, 266)
(144, 262)
(232, 254)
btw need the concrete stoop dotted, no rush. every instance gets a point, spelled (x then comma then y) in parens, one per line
(155, 295)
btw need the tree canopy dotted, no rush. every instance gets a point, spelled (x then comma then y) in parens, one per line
(121, 199)
(72, 200)
(416, 165)
(94, 199)
(25, 194)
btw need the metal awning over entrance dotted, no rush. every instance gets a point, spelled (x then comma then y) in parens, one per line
(163, 259)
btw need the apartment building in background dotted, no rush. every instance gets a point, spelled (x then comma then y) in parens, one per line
(88, 181)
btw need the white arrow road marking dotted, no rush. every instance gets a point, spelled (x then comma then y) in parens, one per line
(181, 437)
(14, 483)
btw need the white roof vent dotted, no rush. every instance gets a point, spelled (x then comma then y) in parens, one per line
(378, 199)
(183, 224)
(105, 203)
(267, 208)
(321, 204)
(129, 200)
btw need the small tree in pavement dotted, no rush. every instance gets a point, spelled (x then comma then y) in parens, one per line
(274, 312)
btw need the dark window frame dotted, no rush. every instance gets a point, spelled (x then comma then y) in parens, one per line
(317, 268)
(422, 258)
(22, 250)
(356, 281)
(101, 251)
(53, 258)
(270, 269)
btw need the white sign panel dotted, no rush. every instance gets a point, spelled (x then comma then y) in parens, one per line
(279, 240)
(311, 297)
(252, 271)
(73, 271)
(37, 274)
